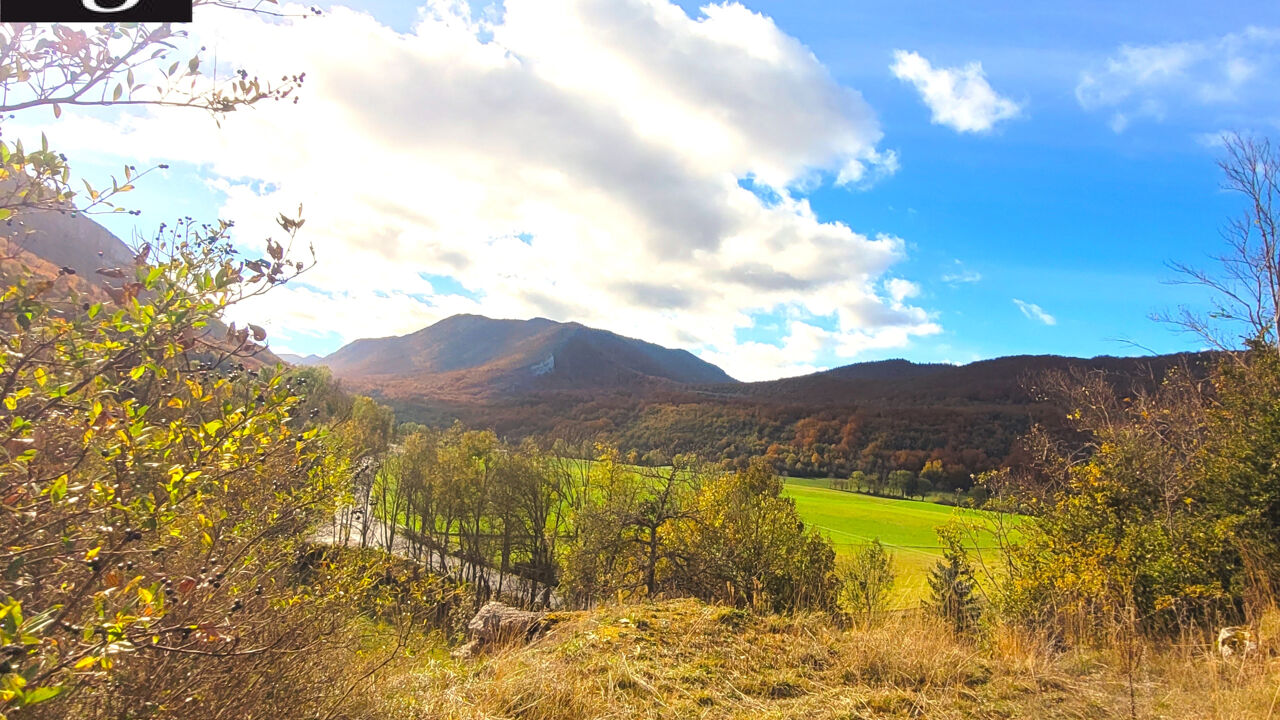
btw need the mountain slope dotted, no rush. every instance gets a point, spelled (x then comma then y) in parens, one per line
(998, 381)
(470, 354)
(69, 249)
(869, 415)
(66, 240)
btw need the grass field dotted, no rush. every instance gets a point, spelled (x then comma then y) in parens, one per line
(907, 528)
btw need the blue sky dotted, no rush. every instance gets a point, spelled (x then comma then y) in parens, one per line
(1052, 188)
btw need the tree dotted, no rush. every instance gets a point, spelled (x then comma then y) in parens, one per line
(923, 487)
(144, 465)
(866, 581)
(1125, 520)
(1237, 481)
(626, 539)
(952, 585)
(934, 473)
(1246, 284)
(902, 481)
(747, 545)
(366, 439)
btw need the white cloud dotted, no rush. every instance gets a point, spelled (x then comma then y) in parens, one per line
(899, 289)
(1150, 81)
(1035, 312)
(576, 159)
(961, 275)
(752, 361)
(960, 98)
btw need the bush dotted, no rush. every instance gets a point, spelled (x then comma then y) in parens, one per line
(866, 582)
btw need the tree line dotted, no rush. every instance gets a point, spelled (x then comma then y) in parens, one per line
(531, 522)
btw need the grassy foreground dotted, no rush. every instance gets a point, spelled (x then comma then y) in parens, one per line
(906, 527)
(684, 659)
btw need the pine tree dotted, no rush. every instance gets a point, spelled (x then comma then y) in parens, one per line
(952, 585)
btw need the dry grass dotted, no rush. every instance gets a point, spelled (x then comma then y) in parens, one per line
(683, 659)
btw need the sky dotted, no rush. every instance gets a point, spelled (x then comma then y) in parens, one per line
(776, 186)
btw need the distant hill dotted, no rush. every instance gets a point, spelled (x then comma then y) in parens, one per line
(475, 356)
(51, 243)
(66, 240)
(885, 370)
(302, 360)
(882, 415)
(999, 381)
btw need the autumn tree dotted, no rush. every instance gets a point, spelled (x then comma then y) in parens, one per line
(627, 533)
(748, 545)
(145, 468)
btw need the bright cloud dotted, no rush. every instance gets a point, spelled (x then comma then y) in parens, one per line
(960, 97)
(1149, 81)
(1035, 312)
(575, 159)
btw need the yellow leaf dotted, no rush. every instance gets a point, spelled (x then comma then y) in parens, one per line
(85, 663)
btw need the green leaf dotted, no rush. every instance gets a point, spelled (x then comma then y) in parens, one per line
(39, 695)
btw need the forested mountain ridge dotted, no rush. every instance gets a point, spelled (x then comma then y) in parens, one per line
(875, 416)
(471, 355)
(1002, 380)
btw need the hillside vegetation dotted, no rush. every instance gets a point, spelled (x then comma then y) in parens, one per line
(872, 417)
(683, 659)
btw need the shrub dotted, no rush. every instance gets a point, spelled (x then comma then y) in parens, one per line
(866, 582)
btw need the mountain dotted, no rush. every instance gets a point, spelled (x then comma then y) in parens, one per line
(886, 414)
(999, 381)
(471, 355)
(69, 248)
(66, 240)
(301, 360)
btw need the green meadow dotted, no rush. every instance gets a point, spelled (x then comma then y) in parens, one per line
(907, 528)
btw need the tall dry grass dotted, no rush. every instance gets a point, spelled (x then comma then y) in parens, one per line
(684, 659)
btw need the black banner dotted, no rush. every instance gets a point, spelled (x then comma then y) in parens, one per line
(95, 11)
